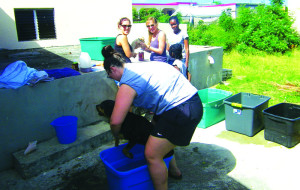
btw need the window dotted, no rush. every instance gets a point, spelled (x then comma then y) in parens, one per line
(35, 24)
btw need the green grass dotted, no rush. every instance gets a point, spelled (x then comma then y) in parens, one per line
(276, 76)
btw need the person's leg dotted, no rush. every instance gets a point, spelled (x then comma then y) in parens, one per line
(173, 169)
(156, 149)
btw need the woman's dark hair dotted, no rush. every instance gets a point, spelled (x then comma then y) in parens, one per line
(111, 58)
(123, 19)
(175, 51)
(174, 18)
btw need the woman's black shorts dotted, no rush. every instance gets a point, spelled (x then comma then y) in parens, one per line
(178, 124)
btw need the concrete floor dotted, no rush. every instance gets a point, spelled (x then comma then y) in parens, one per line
(215, 159)
(259, 164)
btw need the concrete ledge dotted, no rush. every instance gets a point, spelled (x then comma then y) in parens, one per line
(26, 112)
(51, 153)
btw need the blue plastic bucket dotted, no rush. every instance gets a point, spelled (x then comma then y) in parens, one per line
(128, 173)
(66, 129)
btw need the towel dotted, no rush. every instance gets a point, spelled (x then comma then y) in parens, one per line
(39, 76)
(61, 73)
(16, 75)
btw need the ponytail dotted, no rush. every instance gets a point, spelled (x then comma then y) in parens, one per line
(107, 51)
(111, 58)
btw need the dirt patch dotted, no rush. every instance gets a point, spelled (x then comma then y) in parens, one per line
(289, 87)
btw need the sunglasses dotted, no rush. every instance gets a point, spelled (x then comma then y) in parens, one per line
(173, 24)
(148, 26)
(126, 26)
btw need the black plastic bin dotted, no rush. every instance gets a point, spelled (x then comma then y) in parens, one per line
(282, 124)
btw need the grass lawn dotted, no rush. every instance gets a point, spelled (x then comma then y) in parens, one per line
(276, 76)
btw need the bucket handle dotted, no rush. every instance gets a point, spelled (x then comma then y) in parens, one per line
(237, 105)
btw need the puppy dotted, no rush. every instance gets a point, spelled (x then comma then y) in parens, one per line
(137, 43)
(135, 128)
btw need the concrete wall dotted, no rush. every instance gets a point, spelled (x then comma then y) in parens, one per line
(26, 112)
(205, 73)
(73, 20)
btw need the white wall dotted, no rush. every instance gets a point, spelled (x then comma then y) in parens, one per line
(294, 9)
(73, 20)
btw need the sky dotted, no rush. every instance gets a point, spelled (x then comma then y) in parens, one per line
(204, 1)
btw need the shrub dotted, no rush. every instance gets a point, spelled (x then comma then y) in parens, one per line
(212, 35)
(267, 28)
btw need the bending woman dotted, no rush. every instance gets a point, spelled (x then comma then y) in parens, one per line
(172, 98)
(122, 45)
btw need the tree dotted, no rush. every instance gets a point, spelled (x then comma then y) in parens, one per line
(226, 21)
(217, 3)
(143, 15)
(135, 14)
(277, 2)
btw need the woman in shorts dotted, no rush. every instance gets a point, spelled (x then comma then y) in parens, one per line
(163, 90)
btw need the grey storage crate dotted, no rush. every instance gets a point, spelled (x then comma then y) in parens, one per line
(243, 113)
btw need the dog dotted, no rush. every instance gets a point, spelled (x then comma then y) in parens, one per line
(135, 128)
(137, 43)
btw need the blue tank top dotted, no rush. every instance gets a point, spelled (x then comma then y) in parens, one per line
(157, 91)
(155, 56)
(120, 50)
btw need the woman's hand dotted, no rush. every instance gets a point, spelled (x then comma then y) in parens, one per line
(133, 55)
(143, 45)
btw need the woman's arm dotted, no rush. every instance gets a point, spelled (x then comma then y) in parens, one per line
(123, 41)
(123, 101)
(161, 44)
(187, 51)
(187, 57)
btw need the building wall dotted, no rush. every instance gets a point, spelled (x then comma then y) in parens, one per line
(73, 20)
(294, 9)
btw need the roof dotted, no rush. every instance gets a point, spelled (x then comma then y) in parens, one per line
(204, 11)
(208, 11)
(164, 4)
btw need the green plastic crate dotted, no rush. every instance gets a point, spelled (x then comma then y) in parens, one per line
(213, 106)
(243, 113)
(93, 46)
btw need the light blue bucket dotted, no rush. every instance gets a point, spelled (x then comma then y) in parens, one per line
(66, 129)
